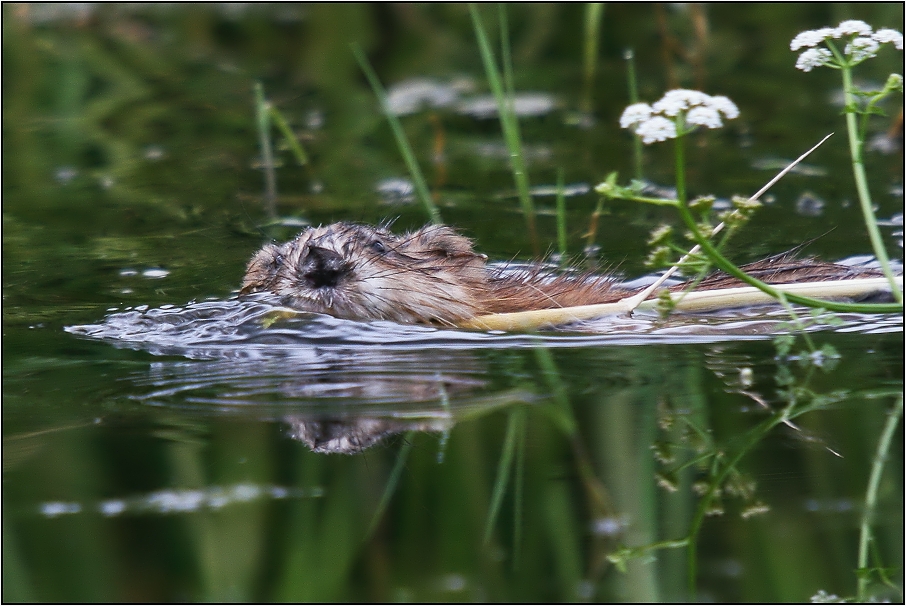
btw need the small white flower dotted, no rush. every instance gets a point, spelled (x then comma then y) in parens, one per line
(668, 107)
(861, 49)
(853, 26)
(889, 35)
(811, 37)
(812, 58)
(635, 113)
(704, 116)
(725, 106)
(657, 122)
(680, 99)
(690, 97)
(657, 128)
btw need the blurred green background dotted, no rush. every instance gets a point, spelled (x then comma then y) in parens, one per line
(131, 178)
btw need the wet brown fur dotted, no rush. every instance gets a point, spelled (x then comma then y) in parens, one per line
(362, 272)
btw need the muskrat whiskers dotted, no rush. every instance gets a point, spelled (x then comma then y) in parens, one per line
(425, 271)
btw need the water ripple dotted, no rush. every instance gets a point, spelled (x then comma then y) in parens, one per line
(341, 384)
(258, 330)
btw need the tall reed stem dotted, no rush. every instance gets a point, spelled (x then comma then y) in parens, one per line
(594, 12)
(263, 116)
(509, 123)
(629, 55)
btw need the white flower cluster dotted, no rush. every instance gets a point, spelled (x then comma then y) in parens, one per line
(861, 49)
(657, 122)
(863, 44)
(812, 58)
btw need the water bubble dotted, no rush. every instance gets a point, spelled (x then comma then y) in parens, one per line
(396, 190)
(525, 105)
(411, 96)
(810, 205)
(54, 509)
(314, 119)
(112, 507)
(154, 153)
(155, 273)
(65, 174)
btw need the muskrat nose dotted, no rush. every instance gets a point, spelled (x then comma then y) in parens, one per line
(322, 267)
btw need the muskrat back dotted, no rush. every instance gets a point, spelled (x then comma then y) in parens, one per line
(433, 275)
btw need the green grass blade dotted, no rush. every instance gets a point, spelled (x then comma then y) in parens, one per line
(871, 495)
(421, 186)
(503, 473)
(561, 215)
(508, 122)
(518, 489)
(289, 135)
(560, 410)
(594, 14)
(629, 55)
(506, 56)
(392, 481)
(267, 153)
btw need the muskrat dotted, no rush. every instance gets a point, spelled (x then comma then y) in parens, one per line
(433, 275)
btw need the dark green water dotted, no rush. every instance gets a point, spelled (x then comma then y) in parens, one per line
(172, 465)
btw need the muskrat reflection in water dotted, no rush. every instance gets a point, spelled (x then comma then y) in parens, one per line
(362, 272)
(352, 435)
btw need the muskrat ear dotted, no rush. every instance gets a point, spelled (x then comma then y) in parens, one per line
(262, 269)
(441, 239)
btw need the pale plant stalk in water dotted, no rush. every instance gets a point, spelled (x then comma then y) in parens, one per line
(636, 300)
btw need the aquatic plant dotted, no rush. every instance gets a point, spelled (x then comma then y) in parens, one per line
(421, 185)
(863, 571)
(266, 116)
(823, 50)
(504, 94)
(629, 56)
(676, 115)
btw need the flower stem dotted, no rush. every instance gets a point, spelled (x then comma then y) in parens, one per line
(723, 263)
(680, 166)
(855, 151)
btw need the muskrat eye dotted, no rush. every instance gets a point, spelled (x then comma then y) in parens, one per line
(378, 247)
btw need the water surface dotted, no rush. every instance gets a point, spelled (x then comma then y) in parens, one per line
(161, 443)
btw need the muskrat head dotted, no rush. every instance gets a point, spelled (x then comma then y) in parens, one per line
(362, 272)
